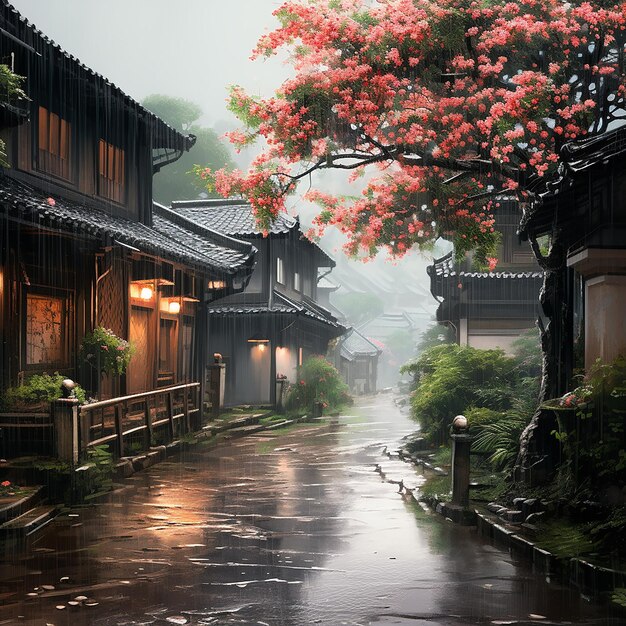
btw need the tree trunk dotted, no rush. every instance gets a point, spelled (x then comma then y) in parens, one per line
(539, 452)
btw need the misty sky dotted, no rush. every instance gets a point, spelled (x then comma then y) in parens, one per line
(193, 48)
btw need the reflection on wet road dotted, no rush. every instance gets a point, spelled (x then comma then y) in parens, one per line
(289, 528)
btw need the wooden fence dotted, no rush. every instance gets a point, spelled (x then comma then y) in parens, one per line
(174, 410)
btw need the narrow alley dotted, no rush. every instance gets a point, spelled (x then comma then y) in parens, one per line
(291, 528)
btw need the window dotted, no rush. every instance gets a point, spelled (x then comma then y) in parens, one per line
(47, 330)
(167, 352)
(296, 282)
(54, 144)
(280, 271)
(111, 164)
(308, 287)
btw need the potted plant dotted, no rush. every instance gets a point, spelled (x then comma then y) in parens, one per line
(106, 353)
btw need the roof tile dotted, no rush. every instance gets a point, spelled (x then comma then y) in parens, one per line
(165, 239)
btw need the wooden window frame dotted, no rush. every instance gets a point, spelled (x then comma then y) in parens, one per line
(67, 330)
(54, 144)
(111, 171)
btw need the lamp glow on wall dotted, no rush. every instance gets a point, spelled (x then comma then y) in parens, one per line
(142, 290)
(258, 340)
(146, 293)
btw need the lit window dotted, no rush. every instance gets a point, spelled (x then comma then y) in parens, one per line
(280, 271)
(111, 167)
(47, 333)
(296, 282)
(54, 144)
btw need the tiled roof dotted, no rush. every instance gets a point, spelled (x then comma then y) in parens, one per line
(228, 253)
(355, 344)
(281, 304)
(444, 268)
(67, 215)
(231, 217)
(18, 27)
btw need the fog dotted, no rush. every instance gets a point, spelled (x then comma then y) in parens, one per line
(195, 51)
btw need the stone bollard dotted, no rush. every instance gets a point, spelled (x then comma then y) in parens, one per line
(65, 418)
(217, 381)
(461, 443)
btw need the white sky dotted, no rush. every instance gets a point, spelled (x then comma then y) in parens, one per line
(192, 49)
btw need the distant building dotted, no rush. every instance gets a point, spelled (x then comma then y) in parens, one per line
(408, 309)
(490, 309)
(266, 331)
(356, 358)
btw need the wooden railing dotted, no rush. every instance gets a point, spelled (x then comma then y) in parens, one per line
(175, 410)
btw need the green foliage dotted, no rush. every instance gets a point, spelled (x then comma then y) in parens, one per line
(592, 424)
(619, 596)
(10, 90)
(527, 351)
(38, 390)
(104, 350)
(498, 394)
(176, 181)
(610, 531)
(449, 379)
(564, 539)
(177, 112)
(318, 381)
(435, 336)
(99, 476)
(500, 439)
(359, 307)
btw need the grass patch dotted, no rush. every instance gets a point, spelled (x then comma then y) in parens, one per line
(565, 540)
(436, 486)
(272, 419)
(442, 457)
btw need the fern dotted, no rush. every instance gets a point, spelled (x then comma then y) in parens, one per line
(500, 440)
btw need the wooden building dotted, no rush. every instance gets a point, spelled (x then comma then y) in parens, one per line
(81, 245)
(578, 232)
(356, 358)
(490, 309)
(266, 331)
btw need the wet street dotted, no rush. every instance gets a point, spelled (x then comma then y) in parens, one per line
(293, 527)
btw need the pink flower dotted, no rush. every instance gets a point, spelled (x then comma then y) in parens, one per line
(5, 483)
(51, 201)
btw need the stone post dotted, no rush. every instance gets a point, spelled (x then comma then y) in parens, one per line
(217, 381)
(280, 394)
(65, 418)
(461, 442)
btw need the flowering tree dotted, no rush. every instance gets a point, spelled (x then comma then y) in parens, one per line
(457, 102)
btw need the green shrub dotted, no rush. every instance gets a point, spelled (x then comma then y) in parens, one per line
(318, 381)
(592, 424)
(499, 438)
(451, 378)
(38, 389)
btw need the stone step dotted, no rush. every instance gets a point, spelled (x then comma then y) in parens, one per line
(14, 507)
(29, 522)
(245, 430)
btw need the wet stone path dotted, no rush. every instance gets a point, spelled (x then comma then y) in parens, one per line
(291, 528)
